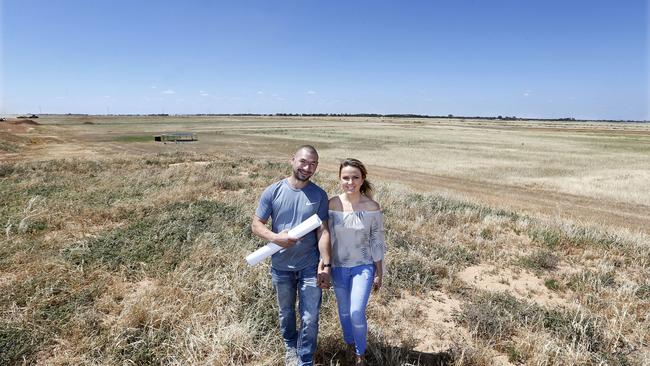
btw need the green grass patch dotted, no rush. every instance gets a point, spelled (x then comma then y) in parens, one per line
(515, 355)
(16, 343)
(541, 260)
(552, 284)
(157, 243)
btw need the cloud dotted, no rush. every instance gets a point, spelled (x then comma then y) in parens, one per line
(527, 93)
(260, 92)
(311, 92)
(204, 94)
(169, 91)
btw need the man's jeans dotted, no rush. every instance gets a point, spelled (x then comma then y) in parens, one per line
(352, 288)
(305, 284)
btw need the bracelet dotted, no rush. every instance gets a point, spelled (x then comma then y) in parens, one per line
(327, 265)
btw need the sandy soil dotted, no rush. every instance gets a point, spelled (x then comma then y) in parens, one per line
(521, 284)
(434, 328)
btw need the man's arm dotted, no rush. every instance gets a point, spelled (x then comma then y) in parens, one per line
(325, 249)
(258, 226)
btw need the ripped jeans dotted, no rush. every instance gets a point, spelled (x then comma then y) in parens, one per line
(352, 286)
(303, 283)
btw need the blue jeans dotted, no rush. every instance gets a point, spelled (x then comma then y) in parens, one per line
(304, 283)
(352, 287)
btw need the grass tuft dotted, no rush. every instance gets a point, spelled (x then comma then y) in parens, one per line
(16, 343)
(494, 317)
(541, 260)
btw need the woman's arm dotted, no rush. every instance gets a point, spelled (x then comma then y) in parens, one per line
(377, 248)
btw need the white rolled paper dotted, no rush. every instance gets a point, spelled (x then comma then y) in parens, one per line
(262, 253)
(297, 232)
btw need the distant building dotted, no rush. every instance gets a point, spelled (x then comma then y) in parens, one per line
(176, 137)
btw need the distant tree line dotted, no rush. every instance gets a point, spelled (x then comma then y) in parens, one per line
(367, 115)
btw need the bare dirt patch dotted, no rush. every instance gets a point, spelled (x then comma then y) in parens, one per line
(434, 328)
(521, 284)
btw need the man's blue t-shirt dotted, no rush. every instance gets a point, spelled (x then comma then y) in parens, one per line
(288, 207)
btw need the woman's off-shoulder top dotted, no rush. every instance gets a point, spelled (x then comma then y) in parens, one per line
(357, 237)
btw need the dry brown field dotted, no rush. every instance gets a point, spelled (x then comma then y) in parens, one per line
(510, 242)
(589, 172)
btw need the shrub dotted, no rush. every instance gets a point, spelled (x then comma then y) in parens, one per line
(575, 327)
(495, 317)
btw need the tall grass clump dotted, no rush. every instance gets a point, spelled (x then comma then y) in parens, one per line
(16, 341)
(502, 321)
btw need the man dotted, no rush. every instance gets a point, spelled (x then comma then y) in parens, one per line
(296, 269)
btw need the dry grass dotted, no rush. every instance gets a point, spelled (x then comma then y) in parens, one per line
(137, 258)
(140, 260)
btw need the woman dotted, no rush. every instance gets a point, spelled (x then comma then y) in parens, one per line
(357, 234)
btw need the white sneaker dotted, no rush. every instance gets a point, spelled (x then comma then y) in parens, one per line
(291, 357)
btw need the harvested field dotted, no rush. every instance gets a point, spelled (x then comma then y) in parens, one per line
(509, 242)
(588, 172)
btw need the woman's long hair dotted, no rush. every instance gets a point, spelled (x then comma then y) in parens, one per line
(367, 187)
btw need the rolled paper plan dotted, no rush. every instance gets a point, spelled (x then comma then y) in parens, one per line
(271, 248)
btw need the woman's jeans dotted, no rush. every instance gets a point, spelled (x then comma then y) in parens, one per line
(352, 287)
(287, 284)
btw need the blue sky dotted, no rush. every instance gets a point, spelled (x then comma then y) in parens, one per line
(547, 59)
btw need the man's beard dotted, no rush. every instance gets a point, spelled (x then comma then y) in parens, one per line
(299, 176)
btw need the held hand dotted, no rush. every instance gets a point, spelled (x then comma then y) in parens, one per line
(284, 240)
(376, 283)
(323, 277)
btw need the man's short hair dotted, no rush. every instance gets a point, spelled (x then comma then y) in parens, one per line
(309, 148)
